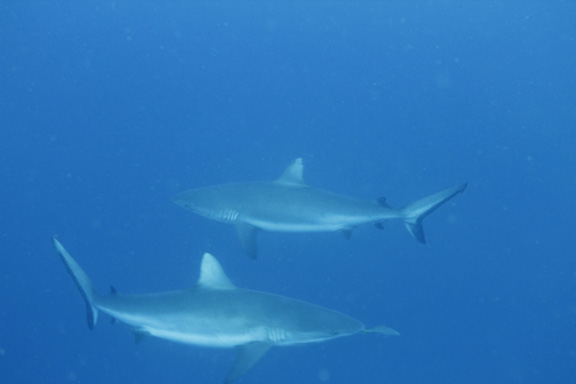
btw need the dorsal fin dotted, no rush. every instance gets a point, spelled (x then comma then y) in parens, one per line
(293, 174)
(212, 275)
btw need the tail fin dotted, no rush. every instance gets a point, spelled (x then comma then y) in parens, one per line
(82, 282)
(416, 212)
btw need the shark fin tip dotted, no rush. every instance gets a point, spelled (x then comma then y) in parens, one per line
(212, 275)
(294, 174)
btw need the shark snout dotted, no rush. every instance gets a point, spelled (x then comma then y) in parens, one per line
(180, 199)
(346, 326)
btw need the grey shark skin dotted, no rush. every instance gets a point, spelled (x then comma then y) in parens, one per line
(288, 204)
(215, 313)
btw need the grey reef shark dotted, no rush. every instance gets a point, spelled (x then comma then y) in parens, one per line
(288, 204)
(216, 313)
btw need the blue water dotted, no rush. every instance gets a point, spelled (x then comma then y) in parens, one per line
(107, 110)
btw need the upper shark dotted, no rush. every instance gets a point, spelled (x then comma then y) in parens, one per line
(288, 204)
(216, 313)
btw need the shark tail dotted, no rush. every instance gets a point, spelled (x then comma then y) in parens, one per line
(414, 213)
(82, 282)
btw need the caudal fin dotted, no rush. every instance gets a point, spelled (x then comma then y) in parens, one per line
(82, 282)
(416, 212)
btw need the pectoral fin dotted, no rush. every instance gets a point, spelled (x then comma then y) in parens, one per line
(248, 355)
(247, 234)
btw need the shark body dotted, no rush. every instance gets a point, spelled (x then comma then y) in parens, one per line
(216, 313)
(288, 204)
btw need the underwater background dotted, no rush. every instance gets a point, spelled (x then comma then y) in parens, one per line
(108, 109)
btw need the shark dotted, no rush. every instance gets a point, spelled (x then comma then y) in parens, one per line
(216, 313)
(288, 204)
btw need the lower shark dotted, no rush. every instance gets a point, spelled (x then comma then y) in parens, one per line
(288, 204)
(216, 313)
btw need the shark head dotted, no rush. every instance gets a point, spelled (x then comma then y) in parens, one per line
(231, 203)
(298, 323)
(324, 324)
(209, 202)
(188, 199)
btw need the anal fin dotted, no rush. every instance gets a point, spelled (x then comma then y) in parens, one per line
(139, 335)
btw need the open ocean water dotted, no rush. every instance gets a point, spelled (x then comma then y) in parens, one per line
(107, 109)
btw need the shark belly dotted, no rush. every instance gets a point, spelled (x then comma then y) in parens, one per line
(199, 332)
(216, 339)
(327, 224)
